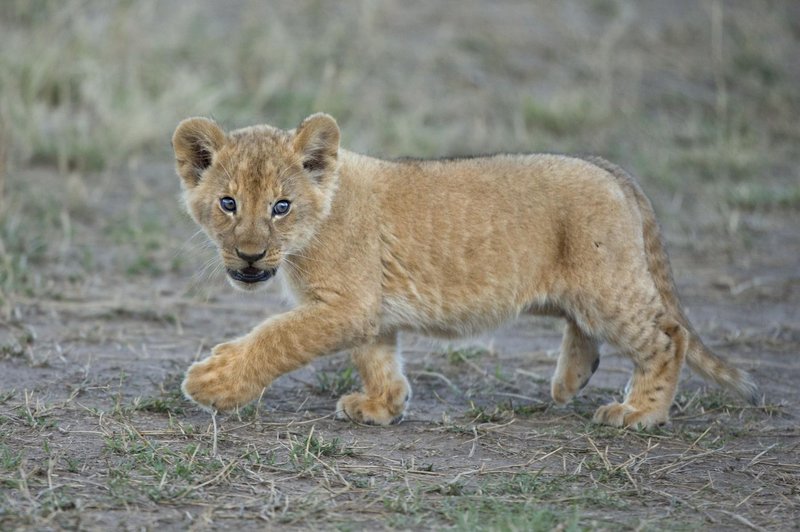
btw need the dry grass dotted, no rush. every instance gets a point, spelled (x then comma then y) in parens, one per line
(104, 302)
(92, 84)
(529, 471)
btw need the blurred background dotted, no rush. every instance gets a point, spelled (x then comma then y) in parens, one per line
(698, 98)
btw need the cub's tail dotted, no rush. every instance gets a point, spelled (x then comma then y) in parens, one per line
(701, 359)
(710, 366)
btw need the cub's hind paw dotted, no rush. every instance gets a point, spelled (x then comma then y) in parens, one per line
(572, 377)
(361, 408)
(624, 415)
(563, 390)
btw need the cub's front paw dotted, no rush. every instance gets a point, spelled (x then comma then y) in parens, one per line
(625, 415)
(223, 380)
(385, 409)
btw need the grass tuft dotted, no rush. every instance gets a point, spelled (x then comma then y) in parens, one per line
(306, 453)
(336, 383)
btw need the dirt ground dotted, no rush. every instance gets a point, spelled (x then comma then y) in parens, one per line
(106, 298)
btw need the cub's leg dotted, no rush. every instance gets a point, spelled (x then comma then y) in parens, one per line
(577, 362)
(386, 390)
(657, 344)
(237, 371)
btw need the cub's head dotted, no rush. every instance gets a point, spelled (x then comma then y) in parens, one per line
(259, 193)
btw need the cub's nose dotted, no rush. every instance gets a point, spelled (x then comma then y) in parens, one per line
(251, 258)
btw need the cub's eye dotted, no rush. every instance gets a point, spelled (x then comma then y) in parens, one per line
(280, 208)
(228, 204)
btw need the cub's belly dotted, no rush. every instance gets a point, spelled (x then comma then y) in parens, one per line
(462, 317)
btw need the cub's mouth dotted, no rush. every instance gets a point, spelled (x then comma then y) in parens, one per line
(251, 275)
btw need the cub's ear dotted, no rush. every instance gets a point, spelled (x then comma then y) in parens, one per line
(195, 142)
(317, 142)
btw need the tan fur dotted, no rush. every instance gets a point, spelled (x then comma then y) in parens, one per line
(452, 247)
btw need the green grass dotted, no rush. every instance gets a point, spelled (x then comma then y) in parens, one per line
(503, 412)
(35, 418)
(336, 383)
(712, 399)
(7, 396)
(167, 403)
(9, 459)
(307, 453)
(761, 196)
(170, 471)
(12, 349)
(563, 118)
(502, 516)
(459, 355)
(504, 502)
(25, 239)
(494, 414)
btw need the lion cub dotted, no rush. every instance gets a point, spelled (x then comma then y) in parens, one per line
(371, 247)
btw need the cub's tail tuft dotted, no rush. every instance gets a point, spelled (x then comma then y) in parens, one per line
(709, 366)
